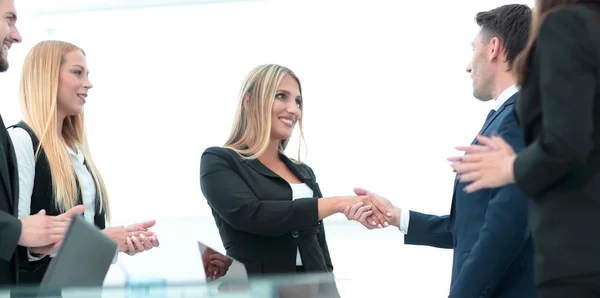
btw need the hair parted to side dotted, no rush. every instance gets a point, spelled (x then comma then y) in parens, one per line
(541, 10)
(510, 23)
(251, 131)
(39, 99)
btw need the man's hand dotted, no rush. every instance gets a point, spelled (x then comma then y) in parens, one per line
(41, 230)
(77, 210)
(381, 204)
(215, 264)
(45, 250)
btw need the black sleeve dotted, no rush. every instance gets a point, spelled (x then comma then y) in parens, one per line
(321, 235)
(568, 60)
(233, 200)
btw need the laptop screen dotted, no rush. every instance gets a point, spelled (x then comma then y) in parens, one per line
(219, 268)
(83, 259)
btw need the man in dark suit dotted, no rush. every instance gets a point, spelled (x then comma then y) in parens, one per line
(559, 170)
(39, 230)
(488, 230)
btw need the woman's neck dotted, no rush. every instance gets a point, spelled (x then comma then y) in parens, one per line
(271, 154)
(59, 129)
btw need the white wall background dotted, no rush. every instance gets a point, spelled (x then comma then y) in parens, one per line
(386, 100)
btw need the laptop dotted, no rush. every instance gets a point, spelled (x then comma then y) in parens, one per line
(231, 276)
(228, 273)
(82, 260)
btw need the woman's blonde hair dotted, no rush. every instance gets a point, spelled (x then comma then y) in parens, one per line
(251, 131)
(39, 100)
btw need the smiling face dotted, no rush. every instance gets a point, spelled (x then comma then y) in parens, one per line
(73, 84)
(9, 33)
(286, 109)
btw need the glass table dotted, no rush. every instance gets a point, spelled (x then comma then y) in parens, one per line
(299, 285)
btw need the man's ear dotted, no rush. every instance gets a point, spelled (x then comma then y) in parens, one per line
(496, 49)
(246, 100)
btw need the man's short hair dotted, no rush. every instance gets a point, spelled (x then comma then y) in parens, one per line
(510, 23)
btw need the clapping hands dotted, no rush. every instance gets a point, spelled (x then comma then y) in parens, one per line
(43, 234)
(135, 238)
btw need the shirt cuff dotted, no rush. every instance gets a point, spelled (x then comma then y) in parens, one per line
(33, 258)
(404, 220)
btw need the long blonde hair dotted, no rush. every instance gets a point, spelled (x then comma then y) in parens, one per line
(39, 98)
(251, 131)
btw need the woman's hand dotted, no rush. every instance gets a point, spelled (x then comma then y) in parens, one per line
(488, 165)
(134, 238)
(143, 238)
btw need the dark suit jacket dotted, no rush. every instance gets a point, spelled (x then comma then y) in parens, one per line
(10, 225)
(493, 253)
(258, 222)
(559, 112)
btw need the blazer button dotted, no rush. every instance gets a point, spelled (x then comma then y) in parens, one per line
(295, 234)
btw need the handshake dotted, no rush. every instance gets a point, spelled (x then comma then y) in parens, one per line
(374, 211)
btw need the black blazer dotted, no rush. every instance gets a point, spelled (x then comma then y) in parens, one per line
(10, 225)
(258, 222)
(559, 112)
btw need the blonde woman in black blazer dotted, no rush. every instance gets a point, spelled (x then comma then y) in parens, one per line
(267, 207)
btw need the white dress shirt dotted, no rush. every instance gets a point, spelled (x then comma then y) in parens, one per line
(505, 95)
(26, 166)
(300, 191)
(502, 98)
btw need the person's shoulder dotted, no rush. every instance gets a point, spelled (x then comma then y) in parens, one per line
(218, 152)
(569, 18)
(573, 11)
(19, 136)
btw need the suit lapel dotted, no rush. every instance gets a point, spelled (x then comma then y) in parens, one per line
(4, 170)
(100, 214)
(487, 123)
(296, 169)
(509, 101)
(14, 173)
(262, 169)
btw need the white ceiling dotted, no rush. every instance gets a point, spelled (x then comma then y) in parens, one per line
(60, 6)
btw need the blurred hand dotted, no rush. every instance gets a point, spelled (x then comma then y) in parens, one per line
(143, 239)
(122, 237)
(141, 243)
(77, 210)
(41, 230)
(215, 264)
(488, 165)
(381, 204)
(45, 250)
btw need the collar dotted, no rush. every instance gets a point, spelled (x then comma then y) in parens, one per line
(78, 155)
(505, 95)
